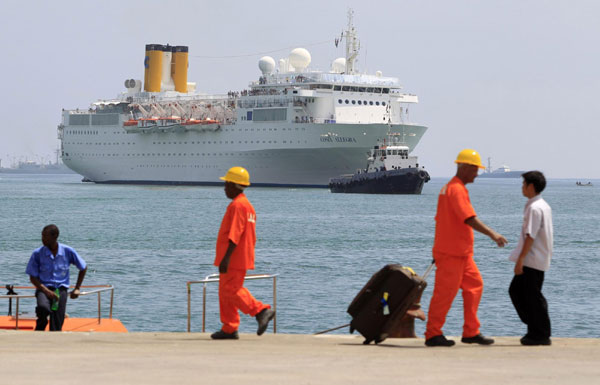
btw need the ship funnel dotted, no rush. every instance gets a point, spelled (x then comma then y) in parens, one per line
(165, 68)
(166, 83)
(153, 67)
(179, 68)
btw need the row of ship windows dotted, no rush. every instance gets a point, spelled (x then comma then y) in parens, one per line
(360, 102)
(93, 132)
(174, 154)
(205, 142)
(190, 166)
(81, 132)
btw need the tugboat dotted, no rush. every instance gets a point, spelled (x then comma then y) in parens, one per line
(390, 170)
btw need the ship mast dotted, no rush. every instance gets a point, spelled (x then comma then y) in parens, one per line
(352, 44)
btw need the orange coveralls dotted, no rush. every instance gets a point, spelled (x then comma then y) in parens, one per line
(239, 226)
(453, 254)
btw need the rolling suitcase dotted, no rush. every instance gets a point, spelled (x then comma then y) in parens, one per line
(383, 301)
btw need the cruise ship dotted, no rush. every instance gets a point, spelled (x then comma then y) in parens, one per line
(292, 127)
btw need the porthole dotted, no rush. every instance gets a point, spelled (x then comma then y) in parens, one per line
(365, 102)
(371, 103)
(340, 101)
(359, 102)
(354, 102)
(347, 101)
(376, 103)
(383, 103)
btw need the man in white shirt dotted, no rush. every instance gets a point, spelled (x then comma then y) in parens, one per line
(532, 258)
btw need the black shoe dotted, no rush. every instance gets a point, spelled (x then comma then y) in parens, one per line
(221, 335)
(263, 318)
(528, 341)
(439, 341)
(478, 339)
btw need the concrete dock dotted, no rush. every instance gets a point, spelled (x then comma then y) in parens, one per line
(186, 358)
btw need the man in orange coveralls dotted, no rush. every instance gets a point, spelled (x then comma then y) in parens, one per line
(235, 255)
(453, 254)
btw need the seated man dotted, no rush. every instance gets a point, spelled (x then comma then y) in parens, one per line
(48, 270)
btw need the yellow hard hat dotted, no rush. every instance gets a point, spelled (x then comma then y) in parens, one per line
(238, 175)
(469, 156)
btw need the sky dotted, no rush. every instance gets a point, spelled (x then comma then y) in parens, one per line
(516, 80)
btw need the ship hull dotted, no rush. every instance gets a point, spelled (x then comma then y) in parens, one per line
(299, 155)
(402, 181)
(508, 174)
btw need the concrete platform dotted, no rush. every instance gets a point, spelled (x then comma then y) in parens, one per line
(182, 358)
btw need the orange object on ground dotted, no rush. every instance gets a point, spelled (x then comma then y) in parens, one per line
(452, 235)
(70, 325)
(233, 296)
(454, 273)
(239, 226)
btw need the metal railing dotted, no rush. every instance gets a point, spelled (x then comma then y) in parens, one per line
(96, 289)
(215, 278)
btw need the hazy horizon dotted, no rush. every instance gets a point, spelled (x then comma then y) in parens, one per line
(515, 80)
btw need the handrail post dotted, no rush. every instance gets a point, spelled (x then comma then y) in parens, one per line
(216, 278)
(99, 309)
(189, 303)
(275, 304)
(17, 316)
(203, 306)
(112, 293)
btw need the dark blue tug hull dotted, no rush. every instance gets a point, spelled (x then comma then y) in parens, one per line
(401, 181)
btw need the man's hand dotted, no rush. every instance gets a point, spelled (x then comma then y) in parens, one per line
(50, 294)
(478, 225)
(519, 267)
(75, 293)
(223, 266)
(499, 239)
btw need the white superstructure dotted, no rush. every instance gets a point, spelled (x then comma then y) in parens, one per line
(293, 126)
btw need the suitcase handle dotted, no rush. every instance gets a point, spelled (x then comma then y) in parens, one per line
(429, 269)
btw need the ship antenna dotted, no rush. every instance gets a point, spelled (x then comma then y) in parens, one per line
(352, 44)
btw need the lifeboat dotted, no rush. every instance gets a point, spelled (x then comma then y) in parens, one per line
(130, 122)
(200, 124)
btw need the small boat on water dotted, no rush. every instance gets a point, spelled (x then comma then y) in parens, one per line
(501, 172)
(26, 321)
(588, 184)
(390, 170)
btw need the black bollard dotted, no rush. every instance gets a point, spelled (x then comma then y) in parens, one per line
(10, 292)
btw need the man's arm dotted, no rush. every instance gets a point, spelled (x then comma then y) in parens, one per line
(526, 247)
(478, 225)
(80, 276)
(38, 285)
(225, 262)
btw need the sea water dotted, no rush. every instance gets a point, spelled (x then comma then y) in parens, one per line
(148, 241)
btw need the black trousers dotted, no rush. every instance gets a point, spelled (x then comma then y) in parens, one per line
(43, 309)
(526, 295)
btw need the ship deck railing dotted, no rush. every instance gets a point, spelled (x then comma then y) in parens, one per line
(212, 278)
(94, 289)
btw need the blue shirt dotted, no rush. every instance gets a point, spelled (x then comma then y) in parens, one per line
(53, 270)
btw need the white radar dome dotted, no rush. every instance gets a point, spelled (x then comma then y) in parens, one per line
(378, 74)
(299, 59)
(338, 65)
(266, 64)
